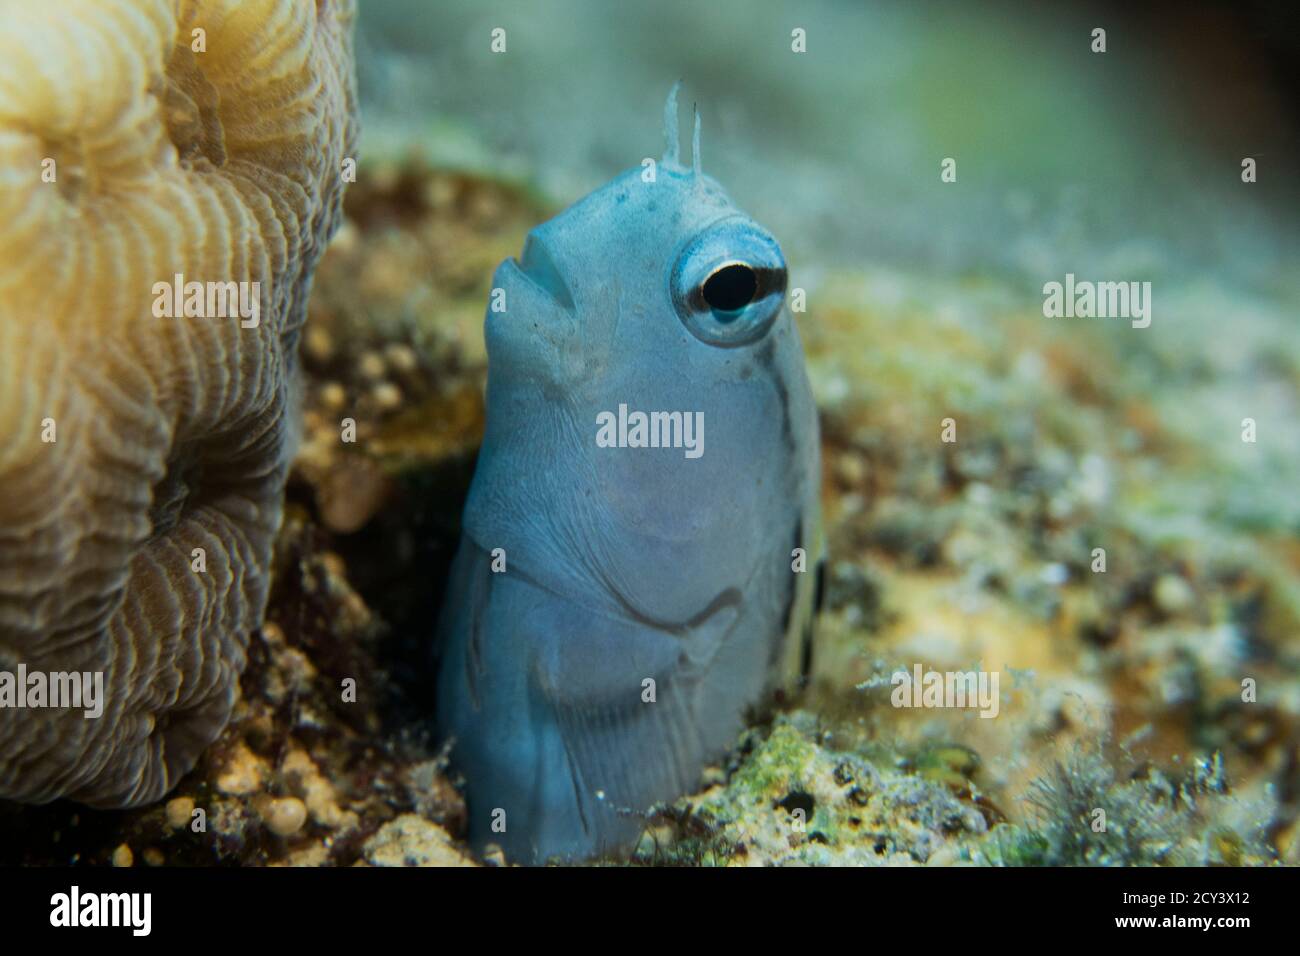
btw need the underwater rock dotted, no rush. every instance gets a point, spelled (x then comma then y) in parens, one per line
(794, 800)
(146, 144)
(410, 840)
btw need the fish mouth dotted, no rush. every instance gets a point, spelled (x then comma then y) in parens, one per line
(538, 267)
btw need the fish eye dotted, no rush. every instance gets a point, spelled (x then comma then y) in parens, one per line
(730, 289)
(728, 284)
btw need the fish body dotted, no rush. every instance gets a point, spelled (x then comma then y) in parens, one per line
(627, 588)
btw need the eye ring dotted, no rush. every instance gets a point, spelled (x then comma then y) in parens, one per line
(728, 284)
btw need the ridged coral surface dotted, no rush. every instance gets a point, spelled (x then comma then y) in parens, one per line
(222, 164)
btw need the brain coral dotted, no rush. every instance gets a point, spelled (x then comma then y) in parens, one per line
(142, 458)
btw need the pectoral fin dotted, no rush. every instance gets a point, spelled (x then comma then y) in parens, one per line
(625, 696)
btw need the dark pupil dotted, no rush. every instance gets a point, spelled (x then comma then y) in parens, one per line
(731, 288)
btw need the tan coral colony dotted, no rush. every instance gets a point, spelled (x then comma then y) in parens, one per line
(142, 456)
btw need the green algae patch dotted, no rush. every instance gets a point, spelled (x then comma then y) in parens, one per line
(792, 799)
(1091, 811)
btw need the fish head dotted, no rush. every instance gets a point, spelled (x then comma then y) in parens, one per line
(656, 294)
(640, 276)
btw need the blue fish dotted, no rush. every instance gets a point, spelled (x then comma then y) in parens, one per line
(641, 543)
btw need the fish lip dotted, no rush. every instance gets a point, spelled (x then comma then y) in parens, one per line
(511, 273)
(537, 266)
